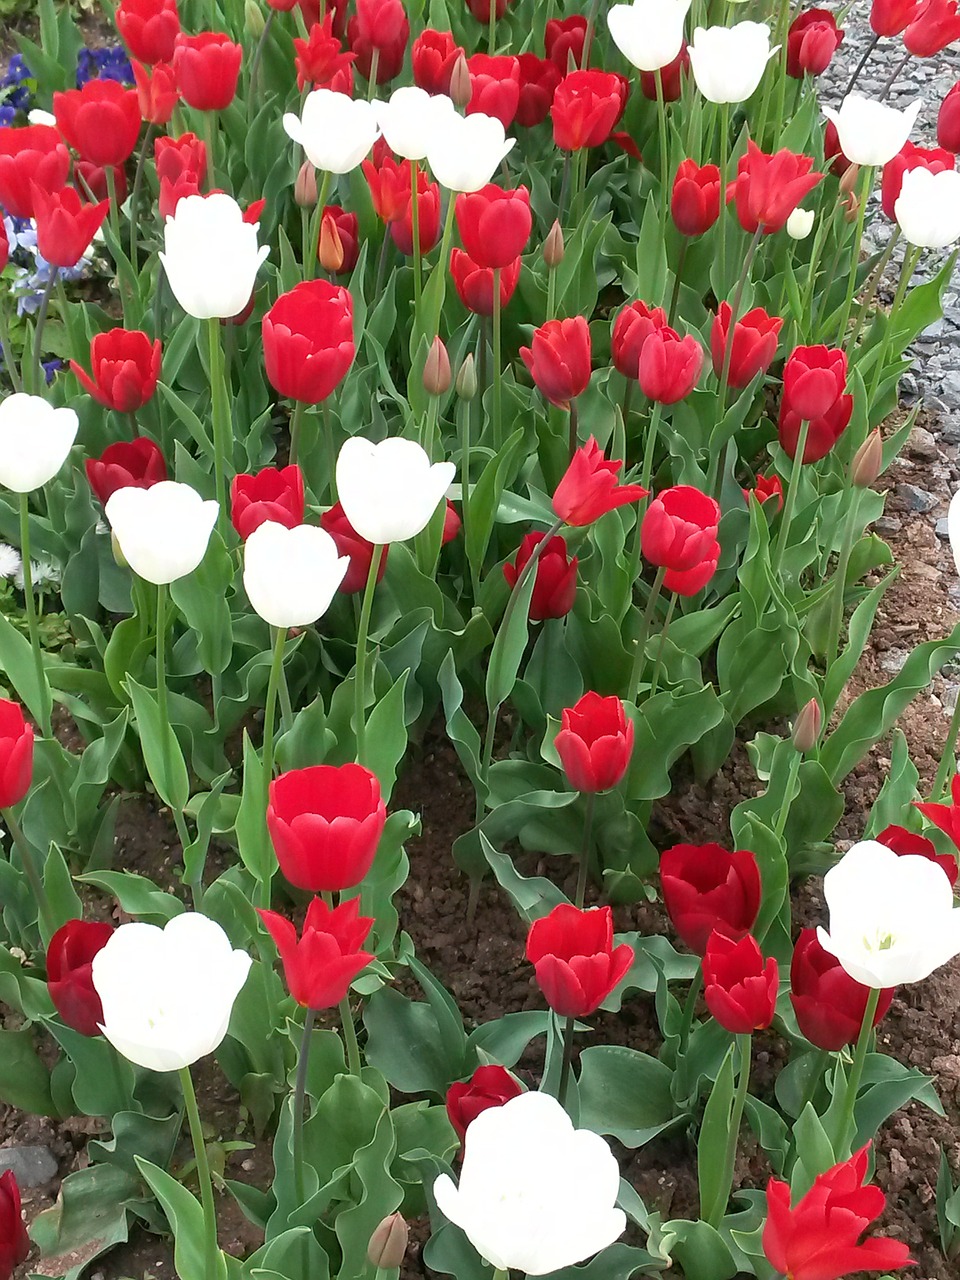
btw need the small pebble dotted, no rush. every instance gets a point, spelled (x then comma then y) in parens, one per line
(32, 1166)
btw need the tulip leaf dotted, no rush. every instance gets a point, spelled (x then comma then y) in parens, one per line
(665, 726)
(624, 1094)
(89, 1218)
(58, 884)
(387, 735)
(405, 1042)
(201, 597)
(186, 1222)
(815, 1152)
(509, 646)
(24, 1080)
(650, 956)
(137, 896)
(104, 1081)
(485, 498)
(712, 1143)
(700, 1250)
(165, 765)
(16, 663)
(505, 1039)
(886, 1086)
(460, 728)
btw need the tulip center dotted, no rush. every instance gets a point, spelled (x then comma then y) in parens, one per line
(881, 941)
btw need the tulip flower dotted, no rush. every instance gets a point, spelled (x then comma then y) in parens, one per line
(595, 743)
(936, 25)
(576, 963)
(101, 121)
(679, 527)
(481, 9)
(157, 93)
(813, 380)
(558, 359)
(208, 68)
(740, 990)
(539, 78)
(670, 366)
(126, 367)
(335, 131)
(291, 575)
(892, 918)
(563, 41)
(904, 842)
(890, 17)
(765, 488)
(695, 200)
(632, 326)
(320, 965)
(649, 33)
(272, 494)
(489, 1086)
(800, 224)
(390, 490)
(821, 1237)
(163, 531)
(320, 60)
(687, 582)
(149, 28)
(388, 1244)
(908, 158)
(35, 440)
(70, 954)
(325, 823)
(754, 344)
(178, 157)
(308, 343)
(555, 584)
(466, 151)
(945, 816)
(728, 62)
(589, 487)
(671, 79)
(928, 208)
(769, 187)
(474, 284)
(127, 464)
(358, 550)
(494, 86)
(586, 107)
(432, 58)
(389, 185)
(494, 224)
(168, 993)
(948, 124)
(14, 1241)
(829, 1004)
(211, 256)
(65, 225)
(380, 27)
(16, 754)
(408, 120)
(813, 39)
(512, 1152)
(869, 132)
(706, 889)
(33, 154)
(822, 433)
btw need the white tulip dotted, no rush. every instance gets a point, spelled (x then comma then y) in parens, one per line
(892, 917)
(534, 1192)
(211, 256)
(953, 527)
(928, 208)
(38, 116)
(649, 33)
(163, 531)
(728, 62)
(35, 439)
(291, 575)
(168, 993)
(466, 151)
(389, 490)
(335, 131)
(870, 132)
(408, 121)
(800, 223)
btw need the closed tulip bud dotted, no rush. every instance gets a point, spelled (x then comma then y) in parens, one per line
(461, 89)
(553, 246)
(330, 249)
(800, 224)
(388, 1244)
(467, 378)
(436, 370)
(807, 726)
(867, 461)
(253, 19)
(305, 188)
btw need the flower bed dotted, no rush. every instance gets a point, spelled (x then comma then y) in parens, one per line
(594, 432)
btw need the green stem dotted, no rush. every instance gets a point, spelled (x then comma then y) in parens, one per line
(211, 1248)
(625, 405)
(6, 349)
(492, 28)
(678, 279)
(783, 812)
(733, 1134)
(633, 689)
(415, 230)
(724, 165)
(689, 1008)
(269, 724)
(163, 711)
(36, 372)
(137, 187)
(871, 290)
(845, 1129)
(210, 138)
(33, 622)
(497, 361)
(329, 448)
(253, 89)
(819, 242)
(790, 505)
(296, 425)
(649, 448)
(910, 261)
(840, 578)
(866, 185)
(434, 327)
(566, 1061)
(810, 1091)
(591, 801)
(551, 291)
(310, 248)
(220, 397)
(360, 675)
(948, 757)
(47, 919)
(374, 68)
(350, 1037)
(299, 1105)
(664, 146)
(658, 661)
(735, 316)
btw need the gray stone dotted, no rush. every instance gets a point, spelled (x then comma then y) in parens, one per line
(893, 660)
(941, 529)
(921, 444)
(917, 499)
(887, 525)
(32, 1166)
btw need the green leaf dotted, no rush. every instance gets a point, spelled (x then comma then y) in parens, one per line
(186, 1221)
(387, 735)
(624, 1094)
(404, 1041)
(166, 765)
(508, 647)
(712, 1143)
(814, 1151)
(89, 1218)
(24, 1080)
(16, 663)
(138, 896)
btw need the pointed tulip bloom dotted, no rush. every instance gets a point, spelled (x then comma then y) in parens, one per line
(928, 208)
(335, 131)
(320, 965)
(291, 575)
(766, 488)
(489, 1086)
(706, 889)
(589, 487)
(390, 490)
(466, 151)
(695, 200)
(211, 257)
(649, 33)
(163, 531)
(512, 1153)
(946, 816)
(728, 62)
(870, 132)
(135, 464)
(936, 25)
(754, 344)
(157, 92)
(65, 224)
(308, 343)
(35, 441)
(494, 224)
(126, 368)
(168, 993)
(828, 1003)
(321, 61)
(595, 743)
(325, 823)
(576, 963)
(14, 1241)
(70, 956)
(769, 187)
(555, 583)
(16, 754)
(275, 493)
(891, 17)
(558, 359)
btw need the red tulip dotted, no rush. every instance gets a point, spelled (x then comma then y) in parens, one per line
(936, 25)
(474, 284)
(126, 367)
(320, 965)
(539, 78)
(489, 1086)
(16, 754)
(34, 154)
(829, 1004)
(555, 584)
(765, 488)
(70, 973)
(632, 326)
(149, 28)
(171, 193)
(428, 215)
(832, 153)
(822, 433)
(754, 344)
(452, 524)
(739, 989)
(813, 39)
(813, 380)
(576, 963)
(687, 582)
(589, 487)
(707, 889)
(101, 121)
(208, 68)
(671, 77)
(348, 234)
(380, 25)
(308, 340)
(432, 58)
(905, 842)
(92, 183)
(320, 60)
(495, 86)
(14, 1241)
(890, 17)
(821, 1237)
(586, 107)
(65, 226)
(178, 157)
(558, 359)
(275, 493)
(695, 202)
(945, 816)
(563, 40)
(679, 528)
(157, 92)
(134, 464)
(325, 823)
(481, 9)
(908, 158)
(389, 184)
(670, 366)
(595, 743)
(349, 543)
(948, 121)
(770, 187)
(494, 224)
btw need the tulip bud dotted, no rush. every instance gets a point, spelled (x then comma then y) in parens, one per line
(553, 246)
(851, 208)
(867, 461)
(253, 19)
(800, 224)
(461, 89)
(807, 726)
(850, 179)
(331, 246)
(305, 187)
(118, 555)
(436, 370)
(388, 1243)
(467, 378)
